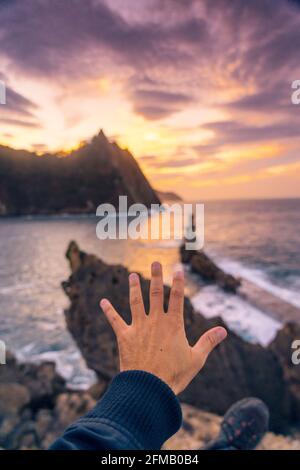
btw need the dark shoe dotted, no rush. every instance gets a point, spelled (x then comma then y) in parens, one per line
(243, 426)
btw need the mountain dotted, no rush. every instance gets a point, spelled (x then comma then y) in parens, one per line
(97, 172)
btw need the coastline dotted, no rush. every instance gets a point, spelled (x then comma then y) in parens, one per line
(31, 244)
(269, 303)
(42, 404)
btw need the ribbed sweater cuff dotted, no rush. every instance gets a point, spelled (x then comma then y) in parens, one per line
(143, 405)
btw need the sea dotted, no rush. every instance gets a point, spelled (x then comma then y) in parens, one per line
(258, 240)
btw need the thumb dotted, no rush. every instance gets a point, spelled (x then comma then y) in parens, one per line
(207, 342)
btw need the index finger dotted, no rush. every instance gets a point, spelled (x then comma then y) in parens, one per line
(116, 321)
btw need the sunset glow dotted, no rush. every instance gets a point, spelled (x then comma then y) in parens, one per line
(200, 94)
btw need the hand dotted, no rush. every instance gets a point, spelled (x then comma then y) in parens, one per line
(157, 342)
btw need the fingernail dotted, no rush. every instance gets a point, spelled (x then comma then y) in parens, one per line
(179, 275)
(103, 303)
(133, 278)
(156, 267)
(221, 334)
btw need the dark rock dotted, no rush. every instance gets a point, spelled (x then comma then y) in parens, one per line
(99, 171)
(71, 406)
(97, 390)
(43, 423)
(236, 369)
(13, 398)
(32, 416)
(41, 381)
(201, 264)
(281, 347)
(23, 436)
(36, 407)
(188, 427)
(186, 255)
(7, 425)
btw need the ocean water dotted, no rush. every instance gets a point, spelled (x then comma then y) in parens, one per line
(258, 240)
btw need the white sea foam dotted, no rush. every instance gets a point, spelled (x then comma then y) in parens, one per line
(259, 278)
(68, 364)
(6, 290)
(246, 321)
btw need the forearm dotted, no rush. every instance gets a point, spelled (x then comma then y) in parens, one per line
(138, 411)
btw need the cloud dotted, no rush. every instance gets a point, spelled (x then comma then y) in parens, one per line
(163, 41)
(58, 34)
(18, 104)
(156, 104)
(160, 96)
(8, 135)
(276, 98)
(19, 123)
(148, 158)
(232, 132)
(18, 110)
(39, 147)
(168, 56)
(52, 36)
(174, 163)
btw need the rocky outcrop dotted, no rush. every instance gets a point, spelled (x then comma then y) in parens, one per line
(200, 427)
(99, 171)
(23, 426)
(236, 369)
(33, 384)
(201, 264)
(281, 347)
(31, 411)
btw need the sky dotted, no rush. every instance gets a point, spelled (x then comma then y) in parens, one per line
(198, 90)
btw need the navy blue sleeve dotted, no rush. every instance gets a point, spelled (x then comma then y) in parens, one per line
(138, 411)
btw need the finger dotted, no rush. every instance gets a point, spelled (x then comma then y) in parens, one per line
(115, 320)
(177, 295)
(135, 298)
(207, 342)
(156, 288)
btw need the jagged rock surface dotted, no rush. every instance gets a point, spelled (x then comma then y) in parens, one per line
(97, 172)
(200, 427)
(30, 411)
(201, 264)
(281, 346)
(40, 383)
(30, 425)
(235, 370)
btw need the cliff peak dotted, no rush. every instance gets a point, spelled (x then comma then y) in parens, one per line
(98, 171)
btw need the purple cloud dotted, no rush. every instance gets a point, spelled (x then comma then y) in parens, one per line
(18, 110)
(156, 104)
(232, 132)
(19, 122)
(168, 54)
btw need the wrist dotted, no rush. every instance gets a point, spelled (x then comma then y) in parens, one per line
(143, 405)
